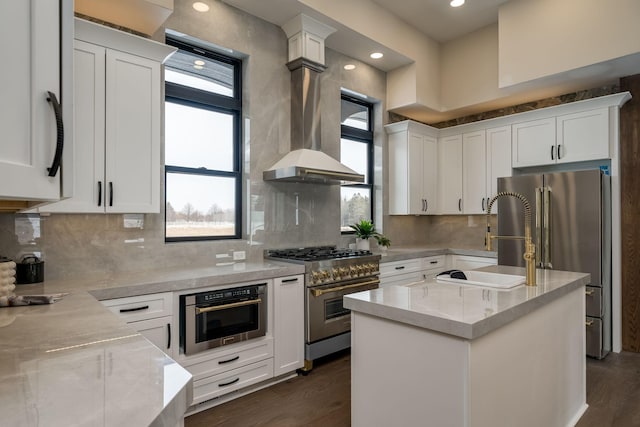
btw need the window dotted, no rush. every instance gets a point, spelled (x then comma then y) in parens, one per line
(203, 185)
(356, 151)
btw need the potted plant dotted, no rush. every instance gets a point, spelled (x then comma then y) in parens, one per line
(364, 231)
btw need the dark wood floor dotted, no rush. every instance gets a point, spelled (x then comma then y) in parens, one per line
(322, 398)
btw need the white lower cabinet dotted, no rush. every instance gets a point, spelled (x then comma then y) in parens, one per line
(151, 315)
(468, 262)
(412, 270)
(232, 380)
(289, 324)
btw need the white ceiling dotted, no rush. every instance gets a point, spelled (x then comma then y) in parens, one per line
(441, 22)
(435, 18)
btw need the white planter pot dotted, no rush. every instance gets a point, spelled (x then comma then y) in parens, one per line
(362, 244)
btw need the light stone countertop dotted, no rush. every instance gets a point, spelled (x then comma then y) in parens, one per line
(128, 284)
(74, 363)
(465, 311)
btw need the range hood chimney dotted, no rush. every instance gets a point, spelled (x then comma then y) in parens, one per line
(305, 162)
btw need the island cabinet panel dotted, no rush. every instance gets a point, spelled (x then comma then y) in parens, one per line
(289, 324)
(529, 372)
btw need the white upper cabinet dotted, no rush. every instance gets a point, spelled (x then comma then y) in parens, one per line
(582, 136)
(413, 169)
(474, 175)
(450, 175)
(117, 122)
(498, 161)
(33, 124)
(566, 138)
(534, 142)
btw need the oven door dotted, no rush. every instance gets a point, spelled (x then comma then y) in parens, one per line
(210, 326)
(326, 316)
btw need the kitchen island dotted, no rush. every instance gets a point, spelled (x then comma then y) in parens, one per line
(443, 354)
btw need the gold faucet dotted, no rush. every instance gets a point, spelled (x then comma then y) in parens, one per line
(529, 247)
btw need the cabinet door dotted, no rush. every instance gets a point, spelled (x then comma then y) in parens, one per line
(415, 168)
(398, 174)
(88, 150)
(474, 172)
(450, 173)
(533, 143)
(583, 136)
(289, 324)
(430, 175)
(498, 160)
(159, 331)
(30, 41)
(132, 134)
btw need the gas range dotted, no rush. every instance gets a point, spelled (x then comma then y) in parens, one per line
(330, 274)
(328, 264)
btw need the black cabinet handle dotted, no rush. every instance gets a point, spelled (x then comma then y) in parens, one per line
(233, 359)
(552, 152)
(433, 262)
(99, 193)
(483, 203)
(400, 268)
(168, 336)
(110, 193)
(57, 158)
(129, 310)
(558, 153)
(295, 279)
(426, 205)
(229, 383)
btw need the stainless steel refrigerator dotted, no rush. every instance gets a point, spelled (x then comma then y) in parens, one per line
(571, 231)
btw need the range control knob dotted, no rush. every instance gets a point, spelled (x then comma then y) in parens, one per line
(336, 273)
(315, 276)
(326, 275)
(353, 272)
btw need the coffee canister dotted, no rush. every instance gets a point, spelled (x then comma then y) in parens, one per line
(30, 269)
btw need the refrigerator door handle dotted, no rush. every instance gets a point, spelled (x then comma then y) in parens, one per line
(547, 226)
(538, 193)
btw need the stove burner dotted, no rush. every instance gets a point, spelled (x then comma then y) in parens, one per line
(317, 253)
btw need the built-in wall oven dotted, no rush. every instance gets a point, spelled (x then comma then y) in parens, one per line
(220, 317)
(330, 274)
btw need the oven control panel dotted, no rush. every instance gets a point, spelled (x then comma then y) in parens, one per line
(331, 274)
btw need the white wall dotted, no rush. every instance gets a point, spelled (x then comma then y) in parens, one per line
(539, 38)
(415, 83)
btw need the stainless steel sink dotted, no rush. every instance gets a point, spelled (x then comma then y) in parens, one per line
(483, 278)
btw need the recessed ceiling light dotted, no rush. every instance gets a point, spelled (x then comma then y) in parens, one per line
(201, 7)
(456, 3)
(198, 67)
(376, 55)
(349, 67)
(198, 62)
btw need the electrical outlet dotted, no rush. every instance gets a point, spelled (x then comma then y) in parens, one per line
(239, 255)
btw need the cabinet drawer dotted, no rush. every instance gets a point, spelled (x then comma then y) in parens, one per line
(223, 361)
(593, 297)
(401, 279)
(141, 307)
(594, 337)
(399, 267)
(433, 263)
(235, 379)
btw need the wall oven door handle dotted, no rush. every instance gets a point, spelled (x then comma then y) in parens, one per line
(226, 306)
(320, 292)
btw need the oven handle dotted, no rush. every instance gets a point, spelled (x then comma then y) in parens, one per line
(319, 292)
(225, 306)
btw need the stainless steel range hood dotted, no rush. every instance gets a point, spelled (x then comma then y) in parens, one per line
(305, 162)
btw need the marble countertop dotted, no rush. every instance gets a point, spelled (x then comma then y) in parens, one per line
(128, 284)
(75, 363)
(464, 311)
(410, 252)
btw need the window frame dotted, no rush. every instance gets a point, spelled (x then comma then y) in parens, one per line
(198, 98)
(365, 137)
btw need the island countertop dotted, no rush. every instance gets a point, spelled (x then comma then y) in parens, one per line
(465, 311)
(75, 363)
